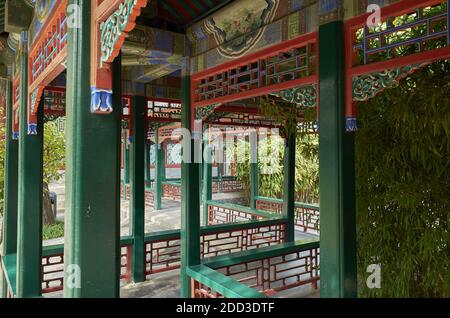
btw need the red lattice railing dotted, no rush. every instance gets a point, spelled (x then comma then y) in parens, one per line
(149, 194)
(199, 290)
(125, 262)
(232, 186)
(274, 274)
(218, 214)
(172, 191)
(163, 254)
(53, 269)
(238, 240)
(228, 186)
(52, 273)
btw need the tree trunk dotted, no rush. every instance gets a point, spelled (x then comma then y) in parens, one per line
(47, 216)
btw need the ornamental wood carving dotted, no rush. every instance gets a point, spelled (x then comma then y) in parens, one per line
(111, 22)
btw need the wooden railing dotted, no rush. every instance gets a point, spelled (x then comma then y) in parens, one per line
(53, 265)
(273, 269)
(208, 283)
(172, 188)
(224, 213)
(163, 251)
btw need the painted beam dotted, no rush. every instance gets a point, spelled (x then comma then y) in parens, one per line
(29, 222)
(289, 187)
(137, 187)
(10, 185)
(337, 180)
(190, 195)
(92, 214)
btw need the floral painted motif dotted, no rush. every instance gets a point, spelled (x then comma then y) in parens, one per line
(204, 112)
(302, 96)
(368, 86)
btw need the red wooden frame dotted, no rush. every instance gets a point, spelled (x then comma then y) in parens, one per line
(261, 91)
(50, 70)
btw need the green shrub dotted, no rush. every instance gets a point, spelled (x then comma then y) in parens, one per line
(271, 163)
(403, 186)
(53, 231)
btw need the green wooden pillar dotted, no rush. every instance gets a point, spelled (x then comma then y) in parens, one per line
(337, 180)
(207, 176)
(159, 166)
(126, 160)
(289, 187)
(254, 171)
(190, 195)
(29, 223)
(137, 184)
(220, 177)
(92, 214)
(10, 185)
(148, 175)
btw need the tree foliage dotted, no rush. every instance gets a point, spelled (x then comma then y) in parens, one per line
(54, 158)
(403, 202)
(271, 163)
(54, 152)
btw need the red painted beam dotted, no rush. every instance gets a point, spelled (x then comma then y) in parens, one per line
(417, 58)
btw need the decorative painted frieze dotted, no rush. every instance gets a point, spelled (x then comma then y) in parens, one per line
(202, 113)
(368, 86)
(114, 27)
(305, 96)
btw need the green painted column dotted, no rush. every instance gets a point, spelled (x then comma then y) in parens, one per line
(254, 171)
(289, 187)
(29, 222)
(148, 175)
(137, 187)
(337, 176)
(207, 176)
(190, 195)
(220, 177)
(10, 185)
(126, 161)
(159, 166)
(92, 213)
